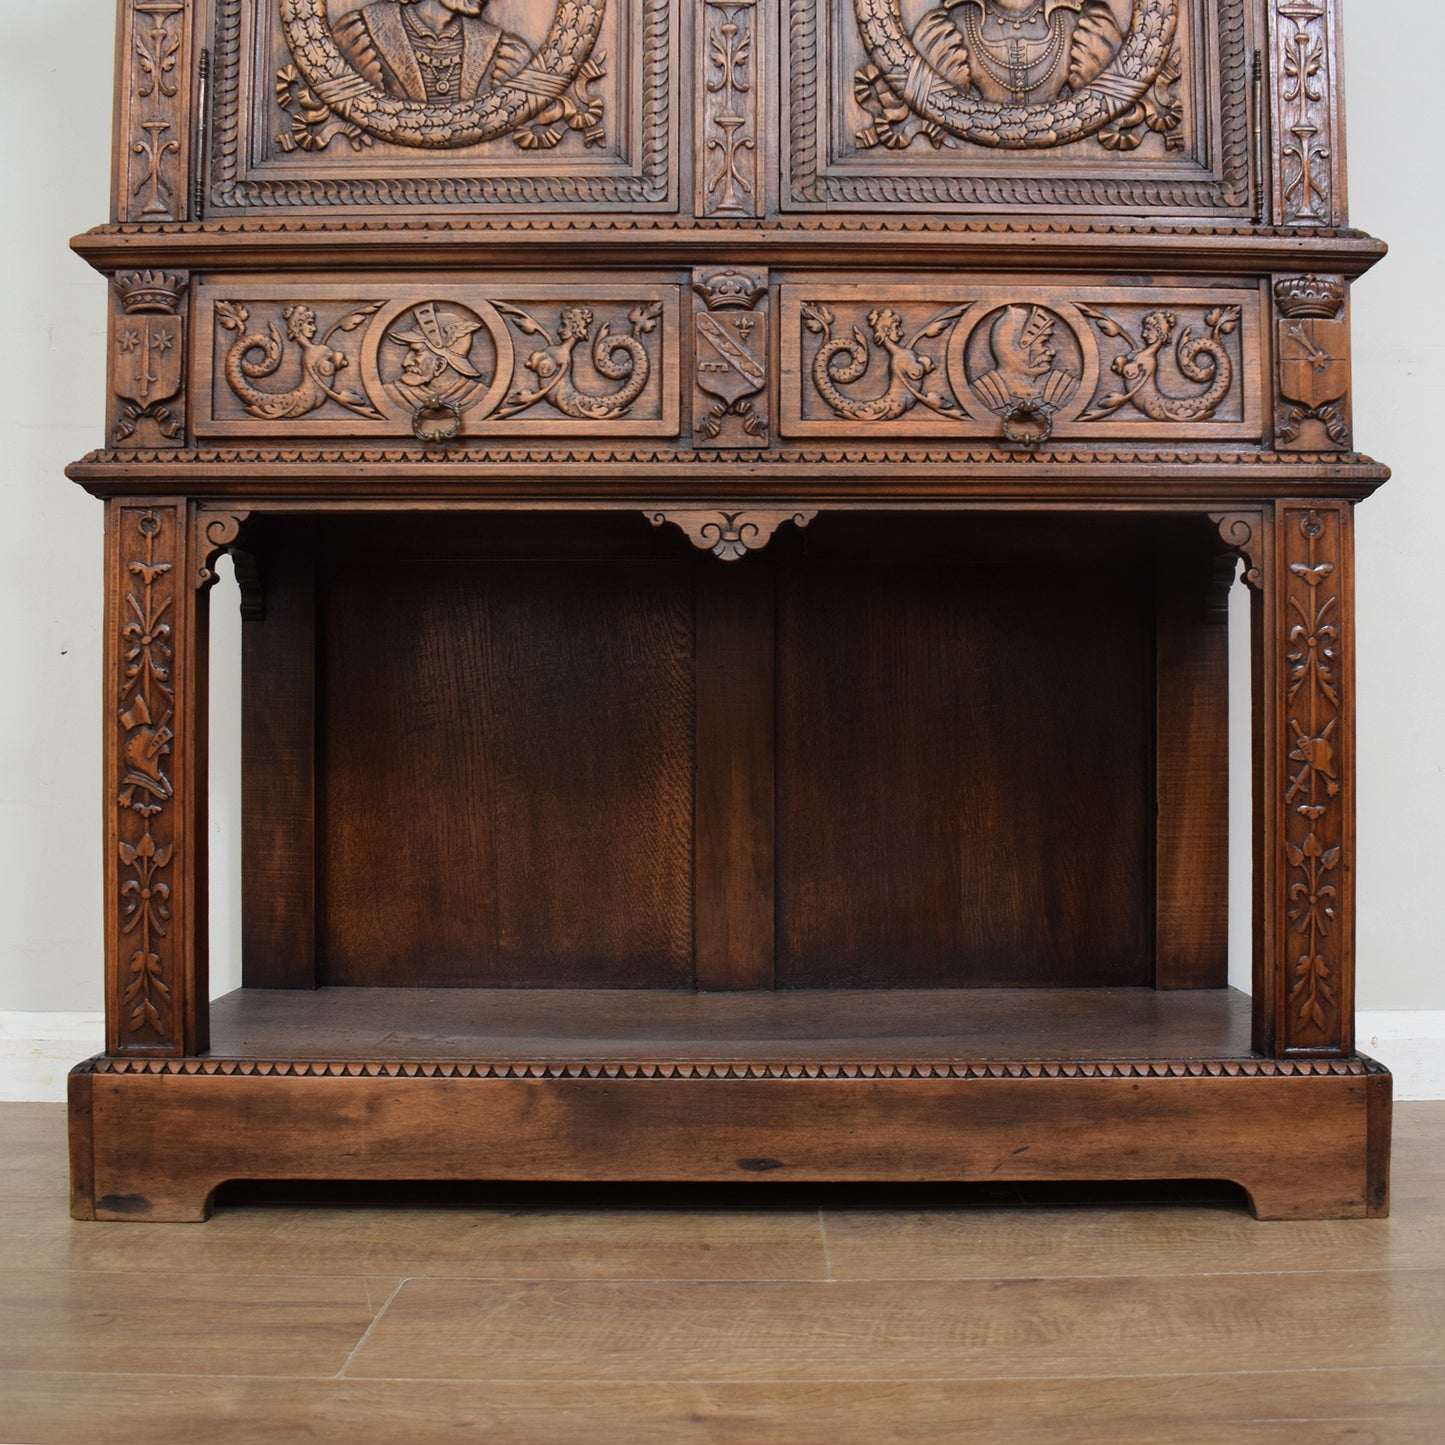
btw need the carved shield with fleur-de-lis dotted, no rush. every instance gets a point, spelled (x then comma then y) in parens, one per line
(727, 365)
(147, 360)
(1314, 366)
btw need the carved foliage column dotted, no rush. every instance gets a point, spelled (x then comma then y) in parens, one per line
(153, 150)
(729, 96)
(1305, 950)
(1309, 157)
(154, 769)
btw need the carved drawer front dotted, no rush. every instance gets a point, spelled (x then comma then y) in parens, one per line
(1122, 106)
(436, 360)
(1025, 363)
(526, 104)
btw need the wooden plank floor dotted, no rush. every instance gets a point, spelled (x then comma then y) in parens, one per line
(741, 1315)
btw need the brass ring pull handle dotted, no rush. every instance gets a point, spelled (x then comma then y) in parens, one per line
(431, 409)
(1028, 424)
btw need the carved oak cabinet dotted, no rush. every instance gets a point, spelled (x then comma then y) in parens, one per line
(734, 503)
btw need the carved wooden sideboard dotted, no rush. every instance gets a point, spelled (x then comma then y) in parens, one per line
(734, 505)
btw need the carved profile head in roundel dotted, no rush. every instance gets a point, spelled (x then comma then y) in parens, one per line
(437, 350)
(1023, 353)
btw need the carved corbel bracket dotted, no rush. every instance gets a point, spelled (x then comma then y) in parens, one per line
(214, 533)
(1243, 533)
(731, 535)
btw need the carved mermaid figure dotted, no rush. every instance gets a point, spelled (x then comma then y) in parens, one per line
(319, 365)
(1202, 360)
(908, 368)
(617, 357)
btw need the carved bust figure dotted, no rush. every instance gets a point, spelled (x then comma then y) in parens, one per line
(429, 50)
(1022, 345)
(1019, 52)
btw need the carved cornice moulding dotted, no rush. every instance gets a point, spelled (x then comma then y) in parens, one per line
(781, 1071)
(894, 242)
(410, 461)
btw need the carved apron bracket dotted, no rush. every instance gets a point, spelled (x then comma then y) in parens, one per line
(731, 535)
(1243, 534)
(215, 532)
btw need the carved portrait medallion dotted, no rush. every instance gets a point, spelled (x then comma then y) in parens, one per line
(435, 74)
(1016, 74)
(441, 350)
(1023, 354)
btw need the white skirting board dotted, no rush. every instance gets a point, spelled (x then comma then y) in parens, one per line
(37, 1050)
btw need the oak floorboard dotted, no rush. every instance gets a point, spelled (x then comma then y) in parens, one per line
(142, 1321)
(1389, 1406)
(477, 1241)
(875, 1330)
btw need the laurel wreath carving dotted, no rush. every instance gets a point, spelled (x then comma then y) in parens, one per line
(424, 125)
(1071, 118)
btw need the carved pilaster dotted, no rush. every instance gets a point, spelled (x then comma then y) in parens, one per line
(154, 158)
(731, 358)
(730, 535)
(148, 358)
(1312, 354)
(1305, 952)
(729, 95)
(155, 757)
(1309, 159)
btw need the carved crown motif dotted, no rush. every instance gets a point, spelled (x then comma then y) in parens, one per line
(728, 290)
(1309, 296)
(149, 290)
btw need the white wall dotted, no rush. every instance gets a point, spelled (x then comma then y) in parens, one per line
(56, 118)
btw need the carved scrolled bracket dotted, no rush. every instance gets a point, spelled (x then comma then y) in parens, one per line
(1242, 533)
(214, 533)
(731, 535)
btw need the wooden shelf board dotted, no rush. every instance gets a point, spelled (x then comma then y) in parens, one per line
(848, 1026)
